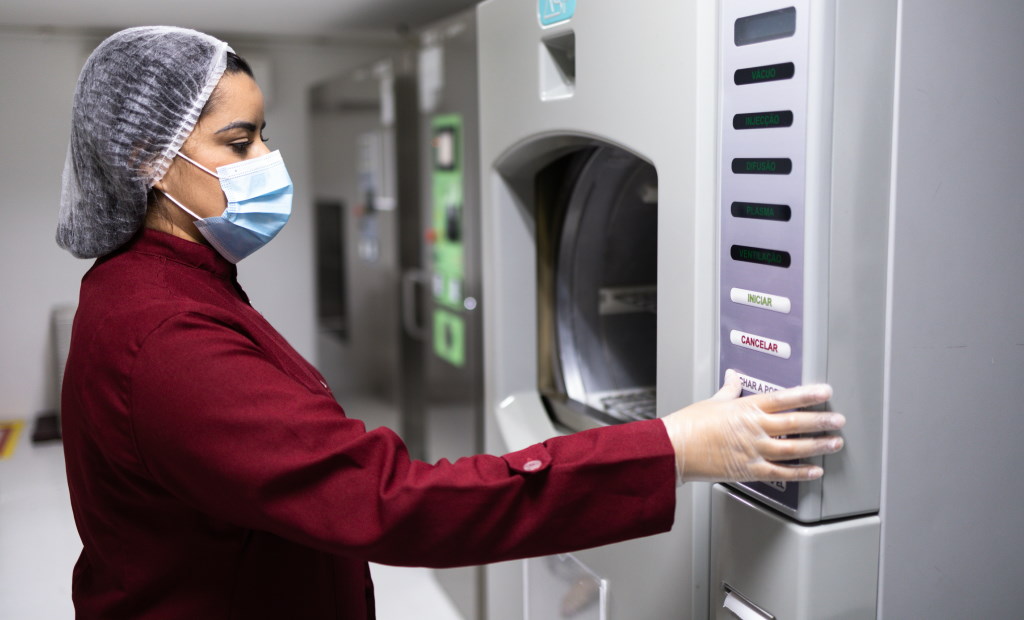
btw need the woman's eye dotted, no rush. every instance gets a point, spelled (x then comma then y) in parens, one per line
(242, 147)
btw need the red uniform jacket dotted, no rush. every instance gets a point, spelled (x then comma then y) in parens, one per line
(214, 476)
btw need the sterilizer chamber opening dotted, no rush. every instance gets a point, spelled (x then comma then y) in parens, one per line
(597, 233)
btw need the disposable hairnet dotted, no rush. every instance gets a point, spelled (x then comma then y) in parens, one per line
(138, 98)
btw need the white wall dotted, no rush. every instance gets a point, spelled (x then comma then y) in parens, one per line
(37, 79)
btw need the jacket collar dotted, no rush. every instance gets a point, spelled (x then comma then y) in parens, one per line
(190, 253)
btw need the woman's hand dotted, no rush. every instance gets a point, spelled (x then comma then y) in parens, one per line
(726, 438)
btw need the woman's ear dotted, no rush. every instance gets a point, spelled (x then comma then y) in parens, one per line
(161, 185)
(146, 168)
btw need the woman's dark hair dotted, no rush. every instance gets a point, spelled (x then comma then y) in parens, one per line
(237, 64)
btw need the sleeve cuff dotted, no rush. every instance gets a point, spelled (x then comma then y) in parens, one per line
(679, 474)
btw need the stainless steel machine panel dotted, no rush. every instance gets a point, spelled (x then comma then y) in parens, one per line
(811, 551)
(620, 88)
(923, 331)
(765, 565)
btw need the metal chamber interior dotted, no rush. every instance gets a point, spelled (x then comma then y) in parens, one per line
(597, 244)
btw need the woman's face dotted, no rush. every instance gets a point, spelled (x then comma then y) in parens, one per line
(230, 131)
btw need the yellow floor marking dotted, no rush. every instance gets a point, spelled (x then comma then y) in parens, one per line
(9, 432)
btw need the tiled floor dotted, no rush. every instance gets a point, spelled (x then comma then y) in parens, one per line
(39, 546)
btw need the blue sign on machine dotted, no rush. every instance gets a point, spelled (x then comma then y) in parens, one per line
(555, 11)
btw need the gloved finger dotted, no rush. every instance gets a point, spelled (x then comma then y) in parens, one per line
(731, 387)
(786, 473)
(793, 449)
(797, 422)
(793, 398)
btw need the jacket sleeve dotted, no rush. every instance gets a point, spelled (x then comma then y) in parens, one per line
(224, 429)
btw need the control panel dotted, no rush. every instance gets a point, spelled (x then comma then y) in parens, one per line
(775, 132)
(447, 253)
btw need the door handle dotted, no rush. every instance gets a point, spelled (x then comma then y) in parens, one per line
(413, 280)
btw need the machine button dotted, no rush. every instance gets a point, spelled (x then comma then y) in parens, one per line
(761, 256)
(762, 165)
(775, 303)
(763, 120)
(765, 73)
(762, 211)
(776, 348)
(757, 386)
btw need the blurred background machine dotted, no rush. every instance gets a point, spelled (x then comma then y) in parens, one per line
(399, 250)
(452, 286)
(368, 234)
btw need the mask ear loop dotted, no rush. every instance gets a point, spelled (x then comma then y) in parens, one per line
(183, 207)
(197, 165)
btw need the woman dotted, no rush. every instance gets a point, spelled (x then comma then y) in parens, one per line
(212, 473)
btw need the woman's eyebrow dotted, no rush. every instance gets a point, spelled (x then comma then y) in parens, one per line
(246, 125)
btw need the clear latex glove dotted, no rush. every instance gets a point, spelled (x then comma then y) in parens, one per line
(726, 438)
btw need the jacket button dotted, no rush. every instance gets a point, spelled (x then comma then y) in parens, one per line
(533, 465)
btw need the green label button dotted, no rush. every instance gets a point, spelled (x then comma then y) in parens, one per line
(762, 165)
(762, 211)
(762, 120)
(765, 73)
(761, 256)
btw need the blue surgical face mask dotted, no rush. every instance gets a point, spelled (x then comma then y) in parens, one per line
(259, 194)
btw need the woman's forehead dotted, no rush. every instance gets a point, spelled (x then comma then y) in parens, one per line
(236, 98)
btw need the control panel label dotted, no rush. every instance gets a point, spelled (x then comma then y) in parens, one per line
(762, 120)
(762, 256)
(766, 73)
(762, 211)
(775, 303)
(757, 386)
(760, 343)
(761, 165)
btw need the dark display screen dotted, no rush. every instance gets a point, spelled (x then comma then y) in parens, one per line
(762, 211)
(763, 27)
(761, 256)
(762, 120)
(762, 165)
(764, 73)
